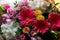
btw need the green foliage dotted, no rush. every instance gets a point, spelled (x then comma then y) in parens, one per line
(2, 9)
(49, 9)
(50, 35)
(15, 4)
(0, 31)
(16, 20)
(19, 31)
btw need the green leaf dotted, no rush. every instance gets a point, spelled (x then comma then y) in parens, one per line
(50, 36)
(54, 32)
(2, 9)
(57, 4)
(19, 31)
(48, 9)
(0, 31)
(15, 4)
(16, 20)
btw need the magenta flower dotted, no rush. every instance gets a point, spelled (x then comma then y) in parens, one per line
(41, 26)
(22, 36)
(6, 7)
(54, 19)
(26, 16)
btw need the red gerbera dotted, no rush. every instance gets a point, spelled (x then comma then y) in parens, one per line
(54, 19)
(41, 26)
(26, 16)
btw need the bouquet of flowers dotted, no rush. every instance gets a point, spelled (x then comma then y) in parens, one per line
(29, 20)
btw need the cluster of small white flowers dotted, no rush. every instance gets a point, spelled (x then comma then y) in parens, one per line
(37, 3)
(9, 29)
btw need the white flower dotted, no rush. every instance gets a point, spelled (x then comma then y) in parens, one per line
(9, 29)
(36, 3)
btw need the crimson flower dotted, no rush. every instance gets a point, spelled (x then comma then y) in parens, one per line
(26, 16)
(54, 19)
(41, 26)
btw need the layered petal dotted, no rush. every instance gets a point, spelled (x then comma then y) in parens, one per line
(54, 19)
(41, 26)
(26, 16)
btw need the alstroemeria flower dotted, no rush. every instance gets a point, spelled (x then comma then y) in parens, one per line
(26, 16)
(22, 4)
(11, 12)
(54, 19)
(41, 26)
(5, 18)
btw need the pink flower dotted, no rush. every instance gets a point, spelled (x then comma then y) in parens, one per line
(6, 6)
(11, 12)
(5, 18)
(41, 26)
(26, 16)
(22, 5)
(22, 36)
(54, 19)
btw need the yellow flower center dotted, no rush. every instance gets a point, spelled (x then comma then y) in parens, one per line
(25, 30)
(40, 17)
(38, 12)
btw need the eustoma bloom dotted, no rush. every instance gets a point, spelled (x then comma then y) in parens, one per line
(26, 16)
(54, 19)
(41, 26)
